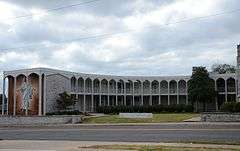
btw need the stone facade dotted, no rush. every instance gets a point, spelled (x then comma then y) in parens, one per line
(55, 84)
(220, 117)
(40, 120)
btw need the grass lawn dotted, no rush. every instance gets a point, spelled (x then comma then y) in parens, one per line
(157, 118)
(155, 148)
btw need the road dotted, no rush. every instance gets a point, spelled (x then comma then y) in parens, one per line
(174, 132)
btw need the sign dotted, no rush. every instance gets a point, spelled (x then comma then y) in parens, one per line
(135, 115)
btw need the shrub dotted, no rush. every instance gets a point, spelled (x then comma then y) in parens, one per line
(146, 109)
(75, 112)
(231, 107)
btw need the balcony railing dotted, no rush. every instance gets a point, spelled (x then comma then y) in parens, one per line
(231, 89)
(221, 89)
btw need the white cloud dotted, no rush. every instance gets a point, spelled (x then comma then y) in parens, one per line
(147, 51)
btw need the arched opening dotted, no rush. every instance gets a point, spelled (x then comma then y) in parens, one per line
(146, 87)
(173, 87)
(231, 85)
(182, 87)
(96, 86)
(20, 79)
(231, 89)
(73, 84)
(155, 87)
(137, 87)
(104, 86)
(120, 85)
(164, 87)
(120, 88)
(33, 80)
(8, 104)
(220, 85)
(112, 91)
(80, 85)
(221, 91)
(88, 85)
(112, 86)
(129, 87)
(137, 92)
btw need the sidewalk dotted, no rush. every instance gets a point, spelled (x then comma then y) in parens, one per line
(79, 145)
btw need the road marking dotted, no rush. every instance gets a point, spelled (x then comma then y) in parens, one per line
(120, 129)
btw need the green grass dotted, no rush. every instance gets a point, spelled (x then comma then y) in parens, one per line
(155, 148)
(157, 118)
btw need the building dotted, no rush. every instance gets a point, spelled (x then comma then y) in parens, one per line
(34, 91)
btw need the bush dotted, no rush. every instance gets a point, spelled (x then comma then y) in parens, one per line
(145, 109)
(75, 112)
(231, 107)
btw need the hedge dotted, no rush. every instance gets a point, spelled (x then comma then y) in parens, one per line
(75, 112)
(145, 109)
(231, 107)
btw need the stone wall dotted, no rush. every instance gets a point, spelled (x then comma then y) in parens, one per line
(220, 117)
(40, 120)
(55, 84)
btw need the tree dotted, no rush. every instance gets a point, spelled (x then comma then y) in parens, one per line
(223, 68)
(201, 87)
(64, 101)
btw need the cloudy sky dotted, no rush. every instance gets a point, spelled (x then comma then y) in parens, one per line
(141, 37)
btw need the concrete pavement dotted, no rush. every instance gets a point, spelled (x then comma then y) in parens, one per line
(36, 145)
(164, 132)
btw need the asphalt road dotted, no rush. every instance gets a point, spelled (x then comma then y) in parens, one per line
(179, 132)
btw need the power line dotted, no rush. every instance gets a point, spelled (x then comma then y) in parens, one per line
(52, 10)
(106, 35)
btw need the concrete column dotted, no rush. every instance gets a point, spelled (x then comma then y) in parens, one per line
(142, 93)
(159, 89)
(125, 93)
(236, 89)
(92, 102)
(14, 95)
(100, 92)
(116, 93)
(3, 97)
(187, 93)
(133, 95)
(225, 90)
(84, 96)
(150, 102)
(40, 96)
(108, 103)
(168, 92)
(177, 93)
(44, 95)
(215, 86)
